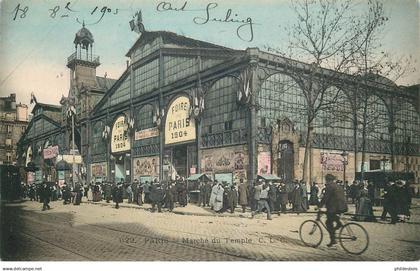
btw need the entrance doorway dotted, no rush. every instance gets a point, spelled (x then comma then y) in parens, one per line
(179, 159)
(183, 159)
(285, 163)
(119, 170)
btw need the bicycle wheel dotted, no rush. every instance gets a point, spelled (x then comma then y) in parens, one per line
(310, 233)
(353, 238)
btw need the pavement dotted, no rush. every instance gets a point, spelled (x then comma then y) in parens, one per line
(99, 232)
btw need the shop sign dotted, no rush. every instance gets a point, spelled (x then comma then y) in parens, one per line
(179, 127)
(61, 175)
(69, 158)
(146, 166)
(51, 152)
(146, 133)
(98, 169)
(264, 163)
(120, 140)
(332, 161)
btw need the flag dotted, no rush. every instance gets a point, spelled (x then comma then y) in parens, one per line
(33, 98)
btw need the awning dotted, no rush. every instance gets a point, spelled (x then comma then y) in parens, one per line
(31, 167)
(196, 177)
(269, 177)
(63, 165)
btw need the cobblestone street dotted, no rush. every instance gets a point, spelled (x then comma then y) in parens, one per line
(101, 232)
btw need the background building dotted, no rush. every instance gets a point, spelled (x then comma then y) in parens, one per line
(48, 140)
(13, 122)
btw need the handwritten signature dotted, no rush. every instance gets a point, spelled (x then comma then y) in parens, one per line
(245, 31)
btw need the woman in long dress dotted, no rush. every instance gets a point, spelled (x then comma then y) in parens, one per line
(218, 202)
(213, 195)
(90, 193)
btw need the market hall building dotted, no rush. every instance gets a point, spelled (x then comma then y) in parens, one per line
(185, 106)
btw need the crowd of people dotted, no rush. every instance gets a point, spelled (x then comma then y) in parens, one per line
(263, 195)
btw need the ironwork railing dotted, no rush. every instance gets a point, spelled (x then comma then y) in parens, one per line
(84, 57)
(237, 136)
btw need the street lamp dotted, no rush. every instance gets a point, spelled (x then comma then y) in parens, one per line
(71, 112)
(345, 155)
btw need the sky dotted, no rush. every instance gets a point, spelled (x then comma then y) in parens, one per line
(36, 37)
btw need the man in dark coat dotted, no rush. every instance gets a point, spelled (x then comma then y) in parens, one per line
(201, 194)
(146, 190)
(272, 196)
(169, 196)
(296, 198)
(182, 193)
(117, 194)
(135, 188)
(66, 194)
(78, 190)
(390, 202)
(313, 200)
(232, 198)
(32, 193)
(207, 192)
(108, 192)
(45, 194)
(226, 193)
(156, 196)
(243, 193)
(354, 191)
(283, 197)
(335, 202)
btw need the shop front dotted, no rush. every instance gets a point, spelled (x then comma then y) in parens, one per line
(180, 152)
(120, 162)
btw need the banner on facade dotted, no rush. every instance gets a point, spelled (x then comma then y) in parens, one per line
(61, 175)
(146, 133)
(38, 175)
(28, 155)
(264, 163)
(332, 161)
(51, 152)
(99, 170)
(146, 166)
(120, 141)
(179, 127)
(69, 158)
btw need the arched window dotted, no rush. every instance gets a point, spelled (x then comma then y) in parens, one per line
(281, 97)
(221, 110)
(144, 117)
(376, 120)
(98, 146)
(407, 124)
(334, 116)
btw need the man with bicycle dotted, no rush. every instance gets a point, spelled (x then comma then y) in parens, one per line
(335, 202)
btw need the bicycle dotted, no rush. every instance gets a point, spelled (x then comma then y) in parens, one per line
(353, 238)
